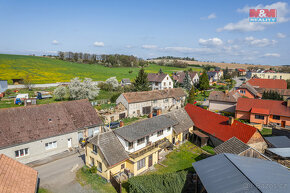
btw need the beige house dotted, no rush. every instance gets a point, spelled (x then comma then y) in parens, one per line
(269, 75)
(146, 102)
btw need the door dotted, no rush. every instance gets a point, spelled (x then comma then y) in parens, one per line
(282, 123)
(122, 116)
(150, 161)
(173, 140)
(69, 142)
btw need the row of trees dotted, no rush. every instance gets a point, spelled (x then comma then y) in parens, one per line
(112, 60)
(175, 58)
(272, 95)
(174, 63)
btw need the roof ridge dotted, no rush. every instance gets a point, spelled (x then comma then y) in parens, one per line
(225, 154)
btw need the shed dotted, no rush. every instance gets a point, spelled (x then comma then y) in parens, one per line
(3, 86)
(17, 81)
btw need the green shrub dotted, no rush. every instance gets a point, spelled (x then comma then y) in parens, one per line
(93, 169)
(169, 182)
(114, 97)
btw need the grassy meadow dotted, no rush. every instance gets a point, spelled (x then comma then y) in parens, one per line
(49, 70)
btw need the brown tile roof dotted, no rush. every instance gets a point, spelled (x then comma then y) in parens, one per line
(268, 83)
(26, 124)
(156, 77)
(222, 96)
(111, 148)
(271, 106)
(179, 76)
(16, 177)
(136, 97)
(233, 145)
(217, 125)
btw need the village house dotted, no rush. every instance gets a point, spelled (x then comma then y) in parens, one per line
(16, 177)
(264, 111)
(160, 81)
(178, 77)
(146, 102)
(268, 83)
(241, 72)
(247, 90)
(130, 150)
(214, 76)
(180, 130)
(268, 75)
(214, 129)
(233, 173)
(236, 146)
(223, 101)
(36, 132)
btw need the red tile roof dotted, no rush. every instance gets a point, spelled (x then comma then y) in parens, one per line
(273, 107)
(268, 83)
(260, 111)
(16, 177)
(217, 125)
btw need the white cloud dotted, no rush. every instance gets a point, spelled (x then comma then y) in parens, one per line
(281, 35)
(149, 46)
(212, 42)
(259, 42)
(99, 44)
(272, 55)
(210, 16)
(55, 42)
(244, 25)
(187, 50)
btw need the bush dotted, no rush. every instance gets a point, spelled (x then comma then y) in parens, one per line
(59, 93)
(8, 92)
(169, 182)
(114, 97)
(93, 169)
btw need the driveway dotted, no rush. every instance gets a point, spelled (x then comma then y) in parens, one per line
(59, 176)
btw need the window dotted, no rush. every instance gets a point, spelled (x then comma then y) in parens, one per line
(51, 145)
(141, 164)
(156, 83)
(276, 117)
(169, 83)
(95, 149)
(164, 83)
(159, 133)
(92, 161)
(140, 141)
(100, 169)
(167, 78)
(280, 77)
(168, 129)
(259, 117)
(21, 152)
(122, 166)
(130, 145)
(165, 100)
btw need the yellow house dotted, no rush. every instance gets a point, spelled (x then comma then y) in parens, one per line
(130, 150)
(180, 130)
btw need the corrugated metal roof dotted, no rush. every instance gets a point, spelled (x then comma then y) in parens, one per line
(283, 152)
(3, 85)
(232, 173)
(279, 141)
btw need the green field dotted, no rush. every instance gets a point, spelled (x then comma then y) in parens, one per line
(49, 70)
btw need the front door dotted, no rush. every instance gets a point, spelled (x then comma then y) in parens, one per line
(69, 143)
(282, 123)
(150, 161)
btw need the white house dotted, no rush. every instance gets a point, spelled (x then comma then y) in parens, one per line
(146, 102)
(35, 132)
(160, 81)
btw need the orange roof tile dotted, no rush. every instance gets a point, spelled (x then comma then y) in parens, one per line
(268, 83)
(217, 125)
(16, 177)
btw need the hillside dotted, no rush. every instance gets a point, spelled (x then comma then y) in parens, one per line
(224, 65)
(49, 70)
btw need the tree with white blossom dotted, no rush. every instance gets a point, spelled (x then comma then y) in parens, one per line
(85, 89)
(113, 81)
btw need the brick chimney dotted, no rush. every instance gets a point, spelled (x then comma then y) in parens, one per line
(231, 120)
(121, 123)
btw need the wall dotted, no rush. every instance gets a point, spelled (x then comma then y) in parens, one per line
(121, 99)
(222, 106)
(253, 153)
(286, 119)
(242, 115)
(246, 94)
(166, 83)
(284, 76)
(254, 120)
(257, 142)
(37, 149)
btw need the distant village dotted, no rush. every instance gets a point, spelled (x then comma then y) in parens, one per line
(228, 128)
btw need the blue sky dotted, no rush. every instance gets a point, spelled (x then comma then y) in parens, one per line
(207, 30)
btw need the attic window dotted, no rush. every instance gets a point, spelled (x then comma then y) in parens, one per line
(49, 120)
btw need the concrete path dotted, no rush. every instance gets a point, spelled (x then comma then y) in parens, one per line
(59, 176)
(43, 85)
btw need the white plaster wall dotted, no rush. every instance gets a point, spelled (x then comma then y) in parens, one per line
(37, 149)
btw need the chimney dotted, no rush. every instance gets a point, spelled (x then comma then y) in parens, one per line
(158, 112)
(288, 102)
(231, 120)
(121, 123)
(150, 115)
(227, 91)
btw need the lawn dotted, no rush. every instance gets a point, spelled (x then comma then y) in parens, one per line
(266, 131)
(49, 70)
(130, 120)
(208, 149)
(43, 190)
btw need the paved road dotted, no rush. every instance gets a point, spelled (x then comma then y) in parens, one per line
(59, 176)
(238, 81)
(42, 85)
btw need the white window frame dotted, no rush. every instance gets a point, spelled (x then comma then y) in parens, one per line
(51, 145)
(25, 152)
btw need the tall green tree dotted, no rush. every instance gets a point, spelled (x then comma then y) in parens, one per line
(204, 81)
(141, 82)
(187, 82)
(191, 97)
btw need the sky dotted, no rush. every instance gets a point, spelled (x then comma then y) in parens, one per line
(207, 30)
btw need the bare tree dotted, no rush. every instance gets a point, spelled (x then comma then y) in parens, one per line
(27, 81)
